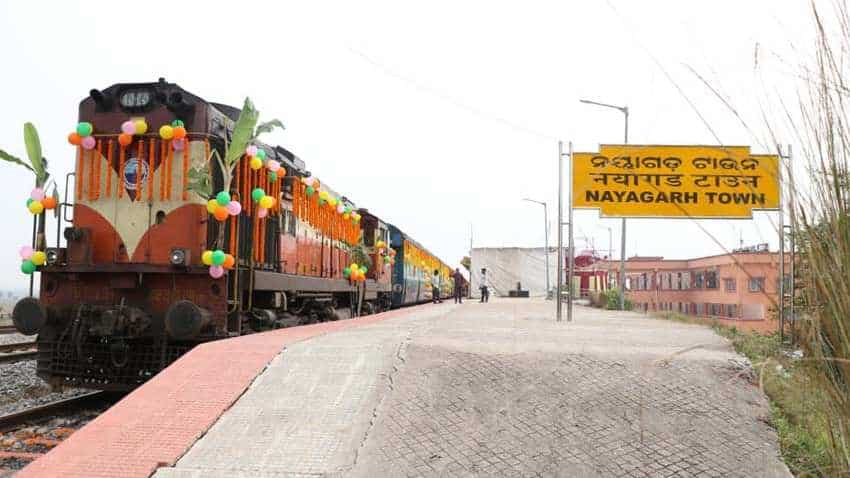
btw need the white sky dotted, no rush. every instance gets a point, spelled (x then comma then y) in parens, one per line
(434, 115)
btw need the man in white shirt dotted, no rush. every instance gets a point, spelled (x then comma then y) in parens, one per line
(435, 287)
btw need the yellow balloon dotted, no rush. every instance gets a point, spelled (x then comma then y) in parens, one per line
(141, 126)
(212, 205)
(38, 258)
(206, 258)
(353, 267)
(324, 195)
(36, 207)
(266, 202)
(166, 132)
(256, 163)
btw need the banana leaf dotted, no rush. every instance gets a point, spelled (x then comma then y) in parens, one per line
(268, 126)
(34, 152)
(243, 132)
(14, 159)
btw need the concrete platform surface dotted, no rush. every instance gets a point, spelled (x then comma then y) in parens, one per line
(496, 389)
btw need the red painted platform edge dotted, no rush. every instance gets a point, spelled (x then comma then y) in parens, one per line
(157, 423)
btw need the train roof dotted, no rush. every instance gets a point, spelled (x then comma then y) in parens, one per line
(415, 242)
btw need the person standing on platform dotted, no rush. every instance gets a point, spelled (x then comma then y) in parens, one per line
(435, 287)
(485, 292)
(458, 278)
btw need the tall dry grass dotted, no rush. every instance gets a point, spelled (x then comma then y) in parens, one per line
(822, 225)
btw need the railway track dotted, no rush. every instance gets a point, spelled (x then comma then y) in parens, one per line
(10, 353)
(58, 408)
(7, 329)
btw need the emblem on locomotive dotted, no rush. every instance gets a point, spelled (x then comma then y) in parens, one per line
(130, 173)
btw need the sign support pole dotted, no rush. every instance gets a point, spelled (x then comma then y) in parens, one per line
(781, 250)
(570, 241)
(560, 268)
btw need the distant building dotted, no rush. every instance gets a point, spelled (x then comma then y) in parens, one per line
(741, 288)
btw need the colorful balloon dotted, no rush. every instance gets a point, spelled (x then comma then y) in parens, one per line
(166, 132)
(340, 208)
(354, 266)
(85, 128)
(324, 195)
(262, 212)
(27, 267)
(229, 261)
(310, 191)
(266, 202)
(128, 127)
(36, 207)
(261, 154)
(206, 258)
(88, 142)
(346, 272)
(309, 181)
(218, 257)
(178, 144)
(212, 205)
(221, 213)
(38, 258)
(216, 271)
(234, 208)
(141, 126)
(346, 216)
(177, 123)
(75, 138)
(25, 252)
(179, 132)
(49, 202)
(125, 139)
(272, 176)
(37, 194)
(258, 194)
(256, 163)
(223, 198)
(273, 165)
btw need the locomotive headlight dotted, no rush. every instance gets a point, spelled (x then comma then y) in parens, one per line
(179, 257)
(52, 256)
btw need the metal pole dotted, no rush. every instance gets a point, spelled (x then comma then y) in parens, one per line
(781, 252)
(625, 111)
(469, 284)
(570, 229)
(560, 281)
(793, 243)
(546, 247)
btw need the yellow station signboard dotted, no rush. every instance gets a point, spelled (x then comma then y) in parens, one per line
(675, 181)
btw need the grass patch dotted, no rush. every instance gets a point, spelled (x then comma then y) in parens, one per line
(798, 409)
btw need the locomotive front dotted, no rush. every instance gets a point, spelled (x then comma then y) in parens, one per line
(128, 293)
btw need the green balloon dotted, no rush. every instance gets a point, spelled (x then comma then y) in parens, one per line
(29, 200)
(272, 176)
(257, 194)
(84, 128)
(310, 191)
(223, 198)
(27, 267)
(322, 202)
(261, 154)
(387, 259)
(348, 209)
(364, 269)
(218, 257)
(176, 123)
(346, 272)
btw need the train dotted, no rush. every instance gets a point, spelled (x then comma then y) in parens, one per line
(136, 282)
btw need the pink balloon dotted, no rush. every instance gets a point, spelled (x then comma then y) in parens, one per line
(128, 127)
(273, 165)
(251, 150)
(309, 181)
(234, 208)
(89, 142)
(340, 208)
(37, 194)
(26, 252)
(178, 144)
(262, 212)
(216, 271)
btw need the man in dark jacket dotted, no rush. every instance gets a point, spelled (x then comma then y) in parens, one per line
(458, 278)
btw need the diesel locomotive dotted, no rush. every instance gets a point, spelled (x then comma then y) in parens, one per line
(128, 290)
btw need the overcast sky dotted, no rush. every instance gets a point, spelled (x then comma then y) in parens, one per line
(435, 115)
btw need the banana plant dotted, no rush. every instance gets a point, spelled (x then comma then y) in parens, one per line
(37, 165)
(245, 131)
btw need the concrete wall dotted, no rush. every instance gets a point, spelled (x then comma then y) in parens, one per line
(508, 265)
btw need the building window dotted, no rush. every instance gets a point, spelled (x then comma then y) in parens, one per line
(756, 284)
(714, 310)
(711, 279)
(729, 285)
(731, 311)
(698, 280)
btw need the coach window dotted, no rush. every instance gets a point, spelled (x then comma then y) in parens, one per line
(756, 284)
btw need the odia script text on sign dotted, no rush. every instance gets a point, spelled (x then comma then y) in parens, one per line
(675, 181)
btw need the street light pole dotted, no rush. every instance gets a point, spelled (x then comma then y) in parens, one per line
(545, 238)
(610, 251)
(622, 285)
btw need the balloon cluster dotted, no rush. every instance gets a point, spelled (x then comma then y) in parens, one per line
(38, 202)
(257, 158)
(218, 262)
(264, 202)
(130, 128)
(385, 252)
(176, 133)
(355, 273)
(325, 199)
(223, 206)
(31, 259)
(82, 136)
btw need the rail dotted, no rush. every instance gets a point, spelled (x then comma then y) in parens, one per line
(42, 412)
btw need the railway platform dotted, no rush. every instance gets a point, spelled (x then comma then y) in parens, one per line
(496, 389)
